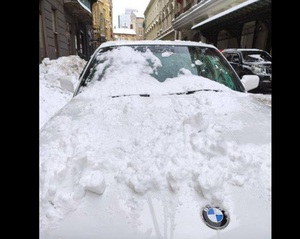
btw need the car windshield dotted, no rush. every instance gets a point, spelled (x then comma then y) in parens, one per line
(256, 56)
(168, 61)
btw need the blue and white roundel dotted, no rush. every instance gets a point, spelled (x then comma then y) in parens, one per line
(215, 215)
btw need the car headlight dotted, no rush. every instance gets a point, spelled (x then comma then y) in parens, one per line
(258, 70)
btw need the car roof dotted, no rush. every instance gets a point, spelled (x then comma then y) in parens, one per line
(241, 49)
(154, 42)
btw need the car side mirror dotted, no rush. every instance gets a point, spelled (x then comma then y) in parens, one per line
(68, 82)
(250, 82)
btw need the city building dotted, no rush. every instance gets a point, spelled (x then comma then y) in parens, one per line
(124, 34)
(65, 28)
(223, 23)
(137, 21)
(130, 26)
(124, 20)
(102, 22)
(158, 20)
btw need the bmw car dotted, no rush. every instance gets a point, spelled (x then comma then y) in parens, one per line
(161, 139)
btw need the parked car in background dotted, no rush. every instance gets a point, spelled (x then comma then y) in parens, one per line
(248, 61)
(161, 140)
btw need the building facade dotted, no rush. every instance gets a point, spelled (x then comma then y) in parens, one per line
(137, 21)
(102, 22)
(124, 34)
(130, 26)
(124, 20)
(223, 23)
(65, 28)
(158, 20)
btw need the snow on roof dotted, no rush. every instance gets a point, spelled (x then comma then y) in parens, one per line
(139, 15)
(124, 31)
(155, 42)
(242, 49)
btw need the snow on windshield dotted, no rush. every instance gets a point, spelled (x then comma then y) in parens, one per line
(127, 71)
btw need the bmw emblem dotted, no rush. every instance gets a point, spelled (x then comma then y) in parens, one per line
(215, 217)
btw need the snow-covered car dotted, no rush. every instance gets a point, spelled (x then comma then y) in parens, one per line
(161, 140)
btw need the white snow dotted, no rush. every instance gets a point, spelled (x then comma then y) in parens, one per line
(137, 137)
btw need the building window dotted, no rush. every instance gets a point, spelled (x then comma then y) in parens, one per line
(55, 33)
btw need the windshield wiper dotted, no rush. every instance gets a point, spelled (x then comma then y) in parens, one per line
(142, 95)
(192, 92)
(189, 92)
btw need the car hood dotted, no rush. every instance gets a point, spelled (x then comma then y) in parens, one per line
(145, 167)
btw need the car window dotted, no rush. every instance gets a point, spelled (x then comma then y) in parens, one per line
(235, 58)
(173, 62)
(170, 62)
(227, 55)
(256, 56)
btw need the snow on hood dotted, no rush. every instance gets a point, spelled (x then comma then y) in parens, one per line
(195, 144)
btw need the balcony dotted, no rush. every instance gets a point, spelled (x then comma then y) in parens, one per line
(79, 10)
